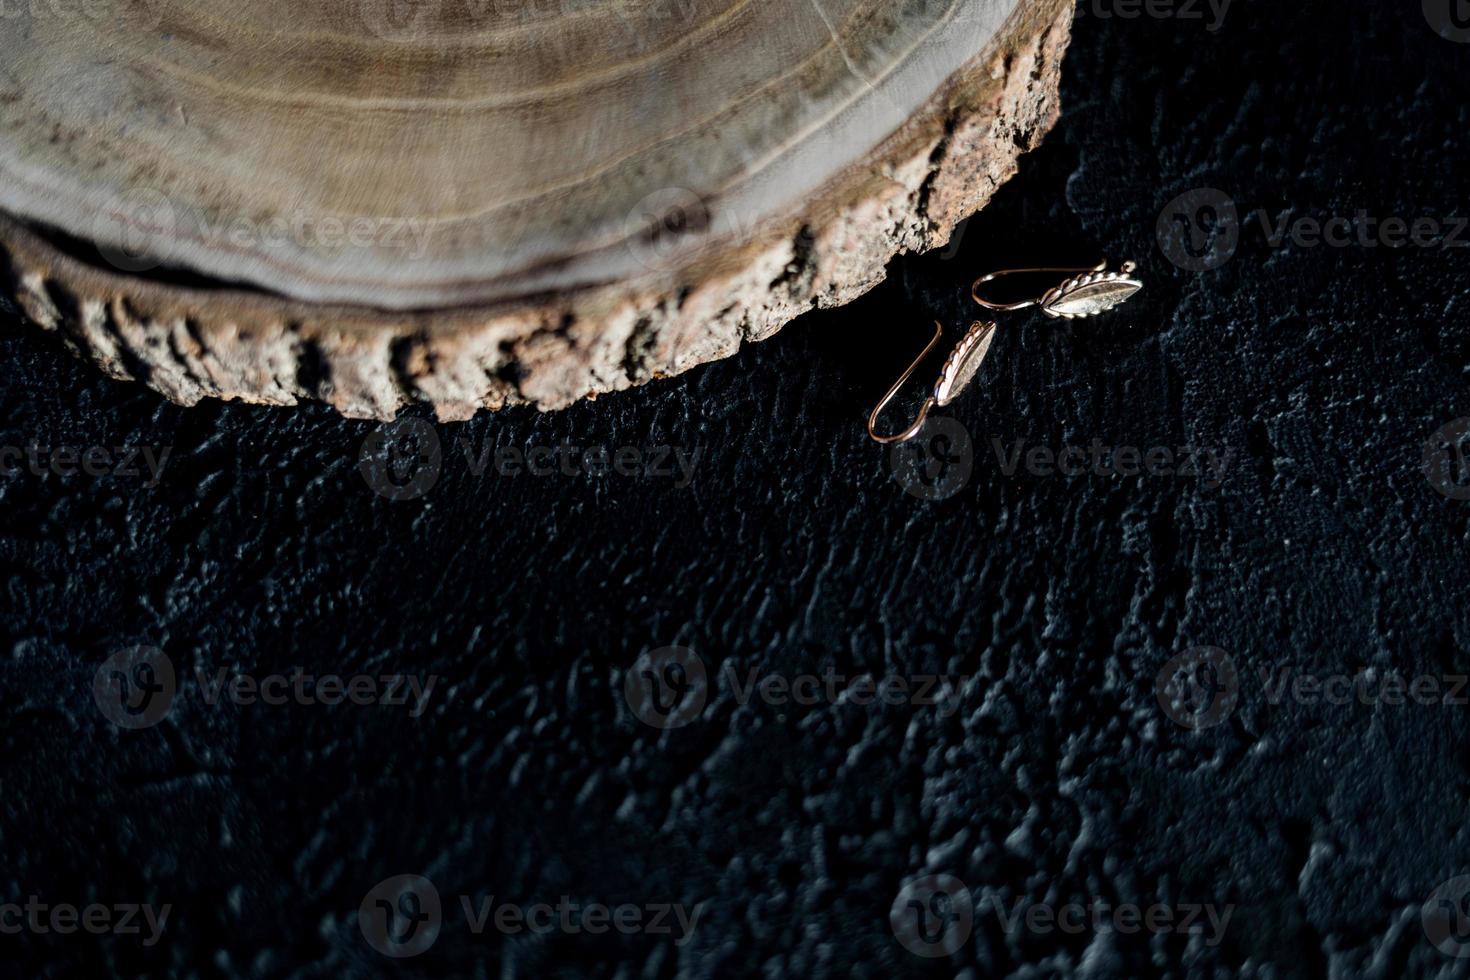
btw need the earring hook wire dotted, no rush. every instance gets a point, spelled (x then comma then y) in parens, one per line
(929, 402)
(1024, 304)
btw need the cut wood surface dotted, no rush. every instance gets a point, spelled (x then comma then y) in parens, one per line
(474, 203)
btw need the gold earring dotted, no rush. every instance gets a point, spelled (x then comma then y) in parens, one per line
(959, 369)
(1088, 293)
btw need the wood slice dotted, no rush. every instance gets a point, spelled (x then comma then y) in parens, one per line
(484, 202)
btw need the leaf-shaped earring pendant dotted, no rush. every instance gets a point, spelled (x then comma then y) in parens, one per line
(1088, 293)
(963, 363)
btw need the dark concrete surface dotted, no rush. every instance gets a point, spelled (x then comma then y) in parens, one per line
(1288, 783)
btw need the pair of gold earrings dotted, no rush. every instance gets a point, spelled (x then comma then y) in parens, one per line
(1087, 292)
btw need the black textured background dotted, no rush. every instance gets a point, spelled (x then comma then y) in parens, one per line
(1059, 779)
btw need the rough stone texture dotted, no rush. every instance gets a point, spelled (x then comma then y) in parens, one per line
(193, 343)
(1324, 551)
